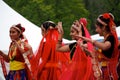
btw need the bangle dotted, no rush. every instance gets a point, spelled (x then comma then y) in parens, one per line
(59, 40)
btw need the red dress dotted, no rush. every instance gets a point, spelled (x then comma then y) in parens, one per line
(23, 72)
(48, 64)
(80, 67)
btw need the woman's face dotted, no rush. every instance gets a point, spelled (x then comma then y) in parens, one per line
(14, 34)
(99, 30)
(73, 33)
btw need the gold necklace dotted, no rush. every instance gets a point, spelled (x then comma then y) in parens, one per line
(13, 51)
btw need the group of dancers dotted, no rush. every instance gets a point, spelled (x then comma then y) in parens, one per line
(85, 59)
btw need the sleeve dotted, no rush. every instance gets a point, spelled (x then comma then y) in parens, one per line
(72, 45)
(111, 39)
(72, 49)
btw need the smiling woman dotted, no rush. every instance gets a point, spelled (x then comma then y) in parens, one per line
(107, 50)
(19, 47)
(79, 67)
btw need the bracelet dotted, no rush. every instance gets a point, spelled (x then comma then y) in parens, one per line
(59, 40)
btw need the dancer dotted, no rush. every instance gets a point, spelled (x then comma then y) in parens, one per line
(19, 52)
(108, 49)
(48, 63)
(80, 66)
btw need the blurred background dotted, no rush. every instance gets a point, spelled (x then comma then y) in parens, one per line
(67, 11)
(32, 13)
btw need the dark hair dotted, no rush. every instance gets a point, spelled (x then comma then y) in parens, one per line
(83, 32)
(99, 24)
(47, 24)
(105, 21)
(22, 29)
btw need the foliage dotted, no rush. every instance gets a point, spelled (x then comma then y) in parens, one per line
(38, 11)
(97, 7)
(67, 11)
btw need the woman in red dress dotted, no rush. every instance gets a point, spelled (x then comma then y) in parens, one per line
(107, 51)
(80, 66)
(48, 64)
(17, 56)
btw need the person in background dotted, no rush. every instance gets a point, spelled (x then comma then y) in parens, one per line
(48, 63)
(80, 66)
(19, 51)
(107, 51)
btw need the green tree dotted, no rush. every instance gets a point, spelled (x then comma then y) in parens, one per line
(68, 11)
(38, 11)
(97, 7)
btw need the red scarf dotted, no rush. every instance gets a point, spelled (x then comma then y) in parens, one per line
(3, 66)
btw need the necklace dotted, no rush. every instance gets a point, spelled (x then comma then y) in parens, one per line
(13, 51)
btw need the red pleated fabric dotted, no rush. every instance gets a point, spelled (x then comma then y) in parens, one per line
(47, 64)
(80, 67)
(4, 70)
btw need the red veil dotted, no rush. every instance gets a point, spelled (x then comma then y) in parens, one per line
(50, 60)
(80, 68)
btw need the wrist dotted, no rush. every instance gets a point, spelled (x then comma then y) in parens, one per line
(93, 42)
(59, 40)
(60, 37)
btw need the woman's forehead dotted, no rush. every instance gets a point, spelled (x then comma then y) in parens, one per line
(12, 28)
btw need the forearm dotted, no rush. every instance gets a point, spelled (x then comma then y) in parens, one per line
(59, 42)
(98, 44)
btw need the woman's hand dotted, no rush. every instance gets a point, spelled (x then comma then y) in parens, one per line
(21, 48)
(78, 27)
(85, 39)
(60, 29)
(15, 43)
